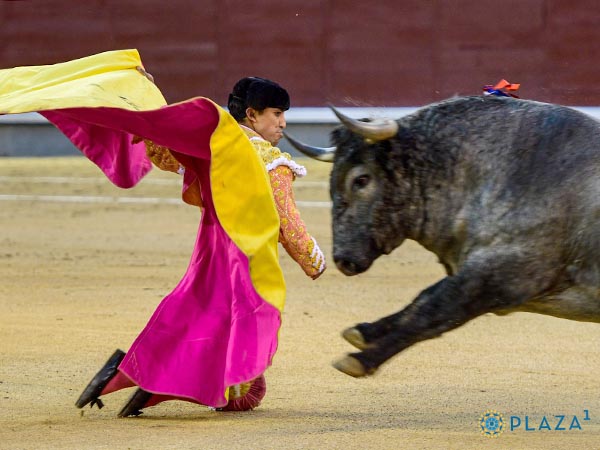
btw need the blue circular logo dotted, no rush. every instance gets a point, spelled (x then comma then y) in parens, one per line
(491, 424)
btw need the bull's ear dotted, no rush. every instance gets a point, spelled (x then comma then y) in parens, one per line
(376, 130)
(320, 153)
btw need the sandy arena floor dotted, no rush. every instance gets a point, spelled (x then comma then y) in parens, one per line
(80, 277)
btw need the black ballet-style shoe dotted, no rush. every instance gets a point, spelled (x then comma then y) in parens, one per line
(135, 403)
(92, 391)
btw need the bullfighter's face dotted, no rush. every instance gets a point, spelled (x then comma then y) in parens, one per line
(269, 123)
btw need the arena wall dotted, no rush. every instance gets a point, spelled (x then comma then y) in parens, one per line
(385, 53)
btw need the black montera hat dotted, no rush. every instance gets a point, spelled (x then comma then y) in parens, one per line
(257, 93)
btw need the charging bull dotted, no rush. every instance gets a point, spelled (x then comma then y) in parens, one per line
(506, 193)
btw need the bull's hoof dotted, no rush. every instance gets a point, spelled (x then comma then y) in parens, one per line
(353, 367)
(355, 337)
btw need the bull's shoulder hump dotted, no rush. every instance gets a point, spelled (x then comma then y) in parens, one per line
(473, 110)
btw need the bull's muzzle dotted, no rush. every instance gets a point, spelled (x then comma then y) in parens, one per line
(348, 267)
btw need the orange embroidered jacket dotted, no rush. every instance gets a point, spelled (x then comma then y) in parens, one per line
(293, 235)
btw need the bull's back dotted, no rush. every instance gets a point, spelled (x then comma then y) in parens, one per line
(548, 175)
(530, 171)
(534, 170)
(533, 154)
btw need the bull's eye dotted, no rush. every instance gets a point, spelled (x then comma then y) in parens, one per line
(361, 181)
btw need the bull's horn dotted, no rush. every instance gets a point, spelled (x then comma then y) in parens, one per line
(376, 130)
(320, 153)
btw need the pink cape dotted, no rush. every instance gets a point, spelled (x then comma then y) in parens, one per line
(214, 329)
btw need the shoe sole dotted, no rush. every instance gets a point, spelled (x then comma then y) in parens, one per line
(92, 391)
(135, 403)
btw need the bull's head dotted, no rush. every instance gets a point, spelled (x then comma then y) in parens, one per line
(363, 190)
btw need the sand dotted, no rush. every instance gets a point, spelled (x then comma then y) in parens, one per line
(80, 279)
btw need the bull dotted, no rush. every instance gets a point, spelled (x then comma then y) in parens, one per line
(506, 193)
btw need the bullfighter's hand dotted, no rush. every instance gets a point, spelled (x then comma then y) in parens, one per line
(317, 275)
(141, 70)
(161, 157)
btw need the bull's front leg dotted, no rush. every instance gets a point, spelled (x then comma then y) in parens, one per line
(364, 335)
(443, 306)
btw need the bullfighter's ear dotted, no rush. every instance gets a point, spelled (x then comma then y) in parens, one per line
(376, 130)
(320, 153)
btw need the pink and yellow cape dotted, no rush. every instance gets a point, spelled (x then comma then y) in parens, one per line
(220, 324)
